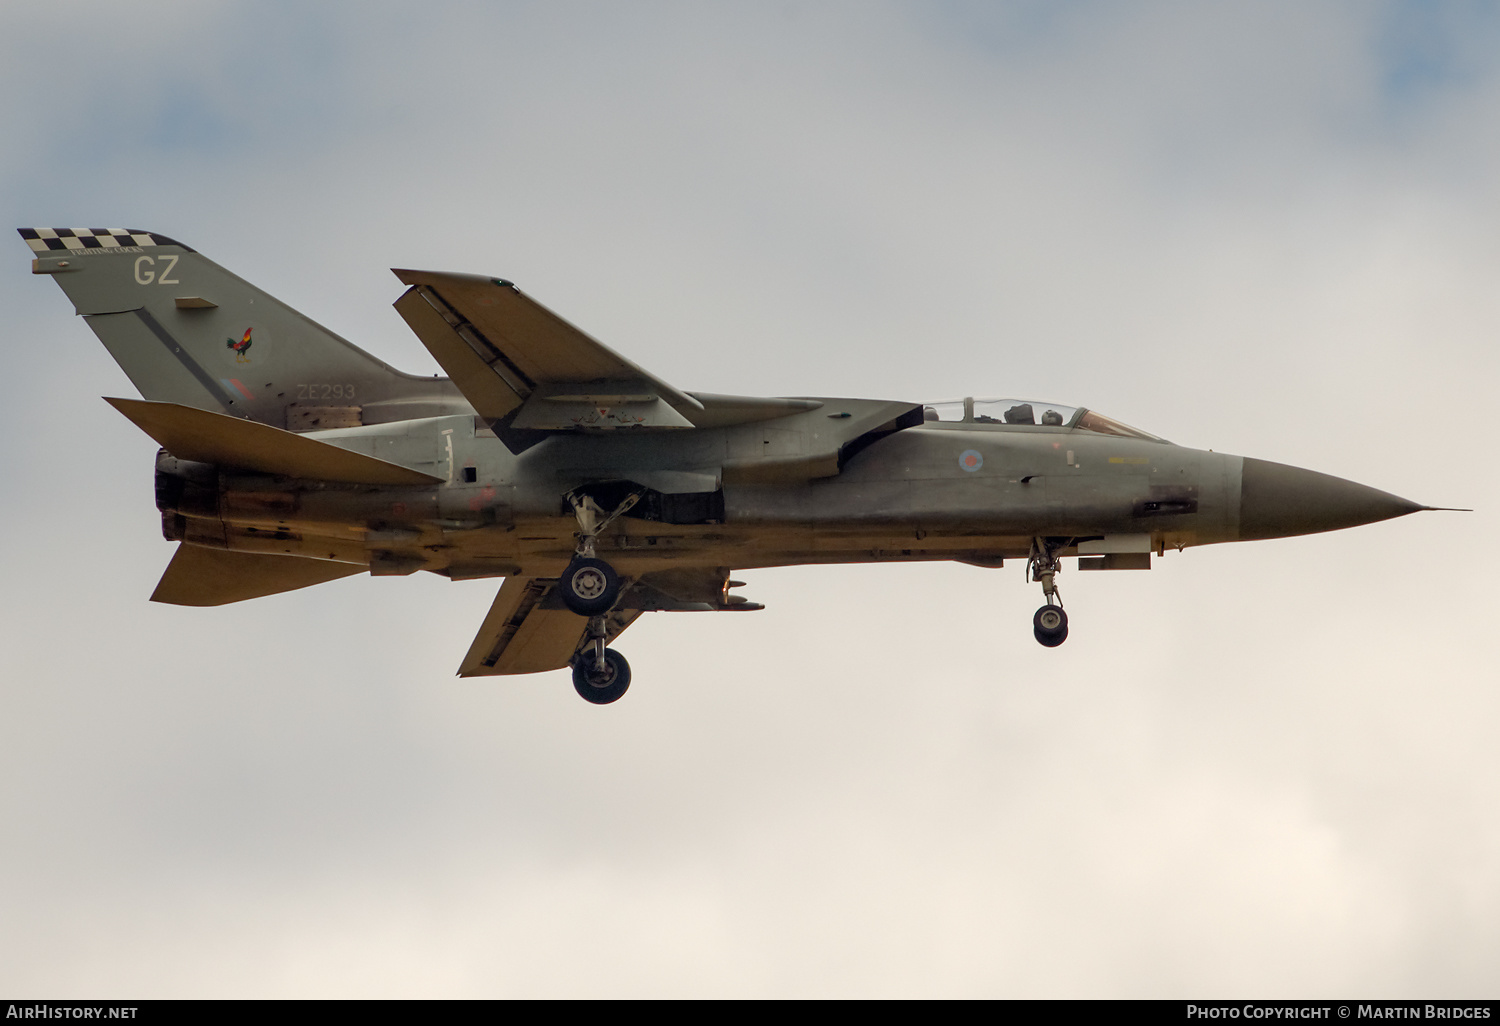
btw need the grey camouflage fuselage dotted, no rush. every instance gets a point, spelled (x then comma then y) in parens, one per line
(291, 457)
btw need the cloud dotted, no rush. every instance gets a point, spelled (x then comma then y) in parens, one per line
(1261, 769)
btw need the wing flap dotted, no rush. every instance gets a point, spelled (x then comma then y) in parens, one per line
(205, 437)
(518, 636)
(528, 631)
(214, 577)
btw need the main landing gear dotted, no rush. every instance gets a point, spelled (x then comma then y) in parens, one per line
(590, 587)
(1050, 624)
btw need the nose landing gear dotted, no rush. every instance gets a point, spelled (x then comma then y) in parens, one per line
(1050, 624)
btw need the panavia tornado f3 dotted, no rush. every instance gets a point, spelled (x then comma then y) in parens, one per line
(594, 489)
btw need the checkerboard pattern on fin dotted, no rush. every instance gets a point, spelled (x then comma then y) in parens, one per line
(44, 240)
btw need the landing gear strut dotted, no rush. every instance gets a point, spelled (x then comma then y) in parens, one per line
(600, 675)
(1050, 624)
(590, 586)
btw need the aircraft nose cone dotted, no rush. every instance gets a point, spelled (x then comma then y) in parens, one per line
(1277, 501)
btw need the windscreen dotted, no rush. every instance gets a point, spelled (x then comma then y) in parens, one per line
(1029, 412)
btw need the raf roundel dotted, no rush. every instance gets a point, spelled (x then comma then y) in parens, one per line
(970, 460)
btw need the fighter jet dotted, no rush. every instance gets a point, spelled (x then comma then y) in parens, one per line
(593, 488)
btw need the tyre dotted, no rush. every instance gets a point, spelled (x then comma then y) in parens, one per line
(589, 587)
(1050, 625)
(1051, 640)
(601, 689)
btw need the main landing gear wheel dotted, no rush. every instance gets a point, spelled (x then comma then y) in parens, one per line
(1050, 625)
(601, 688)
(590, 587)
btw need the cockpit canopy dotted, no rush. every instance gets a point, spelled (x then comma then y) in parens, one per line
(1029, 413)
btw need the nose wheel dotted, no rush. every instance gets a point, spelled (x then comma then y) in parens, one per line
(1050, 624)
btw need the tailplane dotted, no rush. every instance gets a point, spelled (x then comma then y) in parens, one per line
(215, 577)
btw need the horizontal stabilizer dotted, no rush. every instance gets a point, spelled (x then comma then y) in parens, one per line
(215, 577)
(205, 437)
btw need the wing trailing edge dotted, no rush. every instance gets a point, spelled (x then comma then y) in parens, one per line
(529, 630)
(520, 634)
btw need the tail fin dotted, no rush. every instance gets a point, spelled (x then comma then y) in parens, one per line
(187, 331)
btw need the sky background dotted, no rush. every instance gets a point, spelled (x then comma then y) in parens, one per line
(1267, 769)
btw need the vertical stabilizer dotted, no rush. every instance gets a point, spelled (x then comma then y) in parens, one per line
(187, 331)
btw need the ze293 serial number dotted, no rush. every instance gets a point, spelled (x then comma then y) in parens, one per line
(325, 391)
